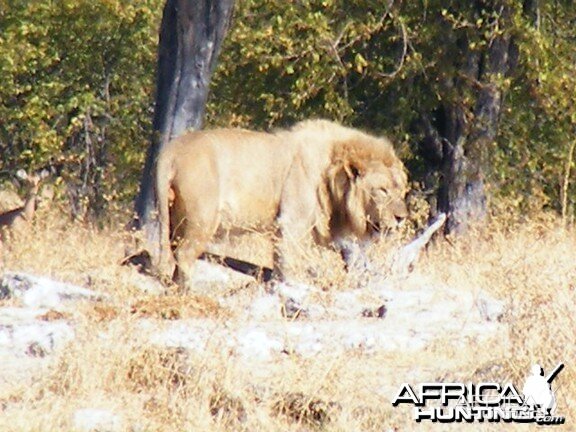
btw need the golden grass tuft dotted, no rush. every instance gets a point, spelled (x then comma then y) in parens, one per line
(309, 411)
(152, 368)
(174, 307)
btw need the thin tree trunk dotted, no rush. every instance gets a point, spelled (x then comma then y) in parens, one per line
(191, 36)
(566, 182)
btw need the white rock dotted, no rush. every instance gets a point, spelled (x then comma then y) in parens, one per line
(96, 420)
(255, 342)
(19, 330)
(305, 339)
(265, 307)
(490, 309)
(193, 334)
(299, 292)
(47, 336)
(37, 291)
(347, 304)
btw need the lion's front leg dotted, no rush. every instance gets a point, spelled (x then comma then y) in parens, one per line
(289, 257)
(286, 257)
(294, 241)
(297, 221)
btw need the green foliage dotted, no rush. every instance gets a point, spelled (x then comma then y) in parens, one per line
(285, 61)
(534, 165)
(77, 79)
(382, 68)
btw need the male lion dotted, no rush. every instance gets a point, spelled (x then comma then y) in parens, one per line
(317, 181)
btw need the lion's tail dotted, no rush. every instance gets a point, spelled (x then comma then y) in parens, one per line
(164, 177)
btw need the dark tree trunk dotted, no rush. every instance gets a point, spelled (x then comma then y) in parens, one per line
(458, 137)
(462, 195)
(191, 36)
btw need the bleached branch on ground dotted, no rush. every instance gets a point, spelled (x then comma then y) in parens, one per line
(407, 256)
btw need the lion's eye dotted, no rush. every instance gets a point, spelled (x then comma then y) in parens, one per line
(378, 194)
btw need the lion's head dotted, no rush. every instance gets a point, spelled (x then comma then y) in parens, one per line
(367, 184)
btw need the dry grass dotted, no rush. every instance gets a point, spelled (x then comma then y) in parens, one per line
(531, 266)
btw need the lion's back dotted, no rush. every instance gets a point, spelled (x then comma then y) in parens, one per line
(249, 169)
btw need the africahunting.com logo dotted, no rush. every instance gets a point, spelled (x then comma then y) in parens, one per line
(485, 401)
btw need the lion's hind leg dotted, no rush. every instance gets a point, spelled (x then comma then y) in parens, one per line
(193, 238)
(187, 252)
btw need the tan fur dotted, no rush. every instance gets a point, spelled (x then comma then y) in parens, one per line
(316, 181)
(22, 215)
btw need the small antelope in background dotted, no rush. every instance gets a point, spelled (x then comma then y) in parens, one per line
(24, 214)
